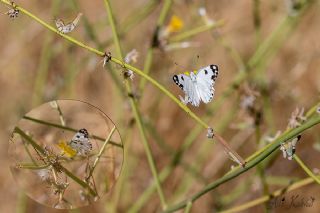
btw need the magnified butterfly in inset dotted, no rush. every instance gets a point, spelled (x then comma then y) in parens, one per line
(197, 85)
(81, 142)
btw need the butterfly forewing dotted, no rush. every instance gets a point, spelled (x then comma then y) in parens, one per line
(81, 142)
(185, 83)
(205, 81)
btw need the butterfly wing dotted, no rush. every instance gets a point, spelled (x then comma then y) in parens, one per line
(185, 83)
(206, 77)
(81, 142)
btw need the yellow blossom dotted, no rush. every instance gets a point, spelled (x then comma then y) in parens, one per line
(65, 148)
(175, 24)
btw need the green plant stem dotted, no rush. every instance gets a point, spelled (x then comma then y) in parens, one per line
(265, 198)
(61, 117)
(133, 19)
(190, 33)
(22, 202)
(149, 56)
(135, 109)
(306, 169)
(68, 129)
(96, 161)
(188, 207)
(43, 67)
(31, 166)
(237, 171)
(63, 169)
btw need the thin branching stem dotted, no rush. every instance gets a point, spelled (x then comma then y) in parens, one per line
(68, 129)
(305, 168)
(193, 32)
(149, 56)
(96, 161)
(135, 110)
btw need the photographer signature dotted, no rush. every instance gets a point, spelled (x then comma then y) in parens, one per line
(295, 201)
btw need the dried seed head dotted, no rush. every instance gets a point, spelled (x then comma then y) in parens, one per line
(296, 118)
(106, 58)
(210, 133)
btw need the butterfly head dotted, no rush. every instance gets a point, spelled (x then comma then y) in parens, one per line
(193, 76)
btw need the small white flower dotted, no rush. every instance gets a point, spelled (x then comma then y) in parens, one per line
(247, 101)
(293, 7)
(132, 56)
(44, 174)
(203, 13)
(67, 28)
(296, 118)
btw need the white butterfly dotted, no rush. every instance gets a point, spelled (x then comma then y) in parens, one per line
(197, 85)
(81, 143)
(67, 28)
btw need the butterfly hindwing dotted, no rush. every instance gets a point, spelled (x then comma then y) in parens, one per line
(185, 83)
(81, 142)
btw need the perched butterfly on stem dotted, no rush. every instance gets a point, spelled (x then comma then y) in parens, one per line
(197, 85)
(67, 28)
(81, 142)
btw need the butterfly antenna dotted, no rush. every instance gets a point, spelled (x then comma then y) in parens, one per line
(183, 67)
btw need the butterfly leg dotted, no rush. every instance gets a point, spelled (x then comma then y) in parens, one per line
(184, 100)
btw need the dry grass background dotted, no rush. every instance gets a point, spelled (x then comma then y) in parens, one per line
(292, 77)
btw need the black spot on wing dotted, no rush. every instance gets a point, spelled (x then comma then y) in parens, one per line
(175, 79)
(177, 82)
(215, 70)
(205, 72)
(84, 132)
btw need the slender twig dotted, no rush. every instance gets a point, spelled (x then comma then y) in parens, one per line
(135, 108)
(31, 166)
(188, 207)
(56, 106)
(306, 169)
(193, 32)
(149, 56)
(96, 161)
(68, 129)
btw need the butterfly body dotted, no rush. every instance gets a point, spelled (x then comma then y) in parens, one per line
(81, 142)
(198, 85)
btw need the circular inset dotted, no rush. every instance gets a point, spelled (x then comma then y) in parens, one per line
(66, 154)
